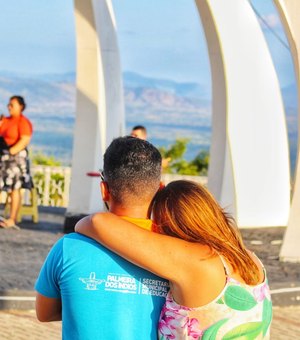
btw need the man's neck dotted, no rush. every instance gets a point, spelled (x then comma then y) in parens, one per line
(140, 211)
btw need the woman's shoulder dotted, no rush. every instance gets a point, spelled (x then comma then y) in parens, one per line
(24, 118)
(206, 275)
(24, 122)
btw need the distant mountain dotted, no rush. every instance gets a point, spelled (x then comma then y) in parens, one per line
(57, 77)
(56, 92)
(139, 91)
(185, 89)
(42, 95)
(169, 110)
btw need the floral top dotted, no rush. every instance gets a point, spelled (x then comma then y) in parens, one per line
(239, 312)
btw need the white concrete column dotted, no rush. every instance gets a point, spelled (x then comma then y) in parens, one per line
(289, 11)
(99, 103)
(249, 171)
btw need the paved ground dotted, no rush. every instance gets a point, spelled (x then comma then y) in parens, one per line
(22, 325)
(266, 243)
(23, 252)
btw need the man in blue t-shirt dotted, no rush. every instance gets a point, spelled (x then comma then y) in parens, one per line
(96, 293)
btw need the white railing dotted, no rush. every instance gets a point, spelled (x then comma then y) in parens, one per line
(53, 184)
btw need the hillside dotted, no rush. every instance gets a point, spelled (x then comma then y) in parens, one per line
(169, 109)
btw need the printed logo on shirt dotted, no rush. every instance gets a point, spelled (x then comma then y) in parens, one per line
(125, 284)
(154, 287)
(91, 282)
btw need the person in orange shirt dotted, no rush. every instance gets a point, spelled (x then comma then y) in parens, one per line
(15, 135)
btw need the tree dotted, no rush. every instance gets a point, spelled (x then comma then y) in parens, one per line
(201, 162)
(42, 159)
(175, 151)
(178, 165)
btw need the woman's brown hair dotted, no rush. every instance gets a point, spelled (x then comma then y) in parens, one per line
(186, 210)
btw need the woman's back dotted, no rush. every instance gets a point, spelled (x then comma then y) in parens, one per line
(237, 310)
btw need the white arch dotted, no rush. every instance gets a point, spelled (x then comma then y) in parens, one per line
(289, 11)
(248, 115)
(99, 103)
(249, 172)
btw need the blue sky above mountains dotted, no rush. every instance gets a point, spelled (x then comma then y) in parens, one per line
(158, 39)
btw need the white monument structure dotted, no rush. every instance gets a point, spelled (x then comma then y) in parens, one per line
(249, 170)
(99, 103)
(249, 150)
(289, 11)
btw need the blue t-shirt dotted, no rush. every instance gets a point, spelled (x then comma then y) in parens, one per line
(103, 296)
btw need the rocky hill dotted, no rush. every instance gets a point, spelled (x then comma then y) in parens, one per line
(169, 109)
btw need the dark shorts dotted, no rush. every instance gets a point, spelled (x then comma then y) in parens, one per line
(14, 171)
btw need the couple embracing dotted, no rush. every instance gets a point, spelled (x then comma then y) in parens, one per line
(185, 274)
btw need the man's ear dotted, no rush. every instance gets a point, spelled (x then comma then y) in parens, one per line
(161, 186)
(104, 191)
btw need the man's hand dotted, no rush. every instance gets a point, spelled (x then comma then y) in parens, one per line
(20, 145)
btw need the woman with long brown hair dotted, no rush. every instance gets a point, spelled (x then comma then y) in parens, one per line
(218, 288)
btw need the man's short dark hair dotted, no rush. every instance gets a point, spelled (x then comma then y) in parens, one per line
(139, 127)
(132, 169)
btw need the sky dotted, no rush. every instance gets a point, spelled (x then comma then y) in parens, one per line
(157, 38)
(37, 36)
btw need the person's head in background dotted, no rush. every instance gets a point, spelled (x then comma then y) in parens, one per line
(132, 172)
(16, 106)
(139, 131)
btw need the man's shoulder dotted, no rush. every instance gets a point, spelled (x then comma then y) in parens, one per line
(77, 238)
(75, 248)
(75, 244)
(72, 240)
